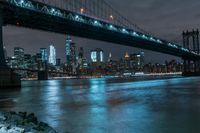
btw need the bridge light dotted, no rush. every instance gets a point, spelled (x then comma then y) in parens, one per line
(151, 38)
(159, 41)
(124, 30)
(76, 17)
(82, 10)
(95, 22)
(21, 1)
(111, 17)
(135, 33)
(52, 10)
(111, 27)
(144, 36)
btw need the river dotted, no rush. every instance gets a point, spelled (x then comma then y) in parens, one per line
(106, 105)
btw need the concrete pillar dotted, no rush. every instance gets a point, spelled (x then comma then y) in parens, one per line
(8, 79)
(2, 56)
(42, 75)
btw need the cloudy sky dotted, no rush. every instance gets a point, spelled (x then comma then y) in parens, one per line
(164, 18)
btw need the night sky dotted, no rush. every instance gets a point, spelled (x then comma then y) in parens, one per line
(164, 18)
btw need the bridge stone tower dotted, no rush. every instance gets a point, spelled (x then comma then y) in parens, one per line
(7, 77)
(191, 42)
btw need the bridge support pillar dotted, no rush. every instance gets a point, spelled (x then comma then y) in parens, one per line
(191, 66)
(42, 75)
(8, 78)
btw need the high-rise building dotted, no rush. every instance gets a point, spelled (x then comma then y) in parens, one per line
(52, 55)
(81, 53)
(58, 62)
(27, 60)
(68, 49)
(70, 52)
(137, 61)
(19, 56)
(97, 55)
(19, 53)
(93, 55)
(109, 57)
(73, 54)
(44, 54)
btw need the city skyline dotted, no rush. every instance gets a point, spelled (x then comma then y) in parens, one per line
(172, 31)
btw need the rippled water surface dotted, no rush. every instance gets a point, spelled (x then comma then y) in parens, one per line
(110, 105)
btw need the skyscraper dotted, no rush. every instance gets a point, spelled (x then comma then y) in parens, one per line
(19, 56)
(52, 55)
(137, 61)
(97, 55)
(68, 50)
(73, 54)
(44, 54)
(109, 57)
(81, 53)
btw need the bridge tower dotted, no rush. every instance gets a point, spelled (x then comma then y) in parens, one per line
(43, 74)
(191, 41)
(7, 77)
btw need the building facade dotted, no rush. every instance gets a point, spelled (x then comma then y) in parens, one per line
(52, 55)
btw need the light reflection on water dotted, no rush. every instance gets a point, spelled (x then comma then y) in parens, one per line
(111, 105)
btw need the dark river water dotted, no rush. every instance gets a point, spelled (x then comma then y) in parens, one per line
(110, 105)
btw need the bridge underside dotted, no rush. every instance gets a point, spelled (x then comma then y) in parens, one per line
(22, 17)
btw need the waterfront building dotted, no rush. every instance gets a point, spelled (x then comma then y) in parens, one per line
(137, 61)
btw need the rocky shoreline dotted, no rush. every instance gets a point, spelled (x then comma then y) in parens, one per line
(22, 122)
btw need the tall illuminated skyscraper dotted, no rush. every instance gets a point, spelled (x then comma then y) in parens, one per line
(97, 55)
(44, 54)
(52, 55)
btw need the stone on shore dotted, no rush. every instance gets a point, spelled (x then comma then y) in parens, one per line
(22, 122)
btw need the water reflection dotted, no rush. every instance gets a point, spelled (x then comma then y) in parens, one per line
(111, 105)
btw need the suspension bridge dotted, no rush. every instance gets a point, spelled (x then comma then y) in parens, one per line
(93, 19)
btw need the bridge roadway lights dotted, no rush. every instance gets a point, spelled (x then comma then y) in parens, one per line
(42, 75)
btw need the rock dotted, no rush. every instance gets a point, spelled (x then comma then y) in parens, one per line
(2, 118)
(3, 129)
(22, 123)
(31, 118)
(22, 114)
(15, 130)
